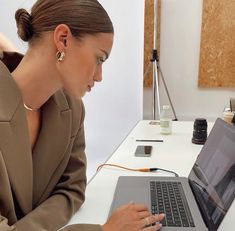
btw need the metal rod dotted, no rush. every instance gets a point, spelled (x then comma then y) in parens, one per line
(156, 66)
(155, 25)
(155, 73)
(157, 88)
(167, 92)
(154, 93)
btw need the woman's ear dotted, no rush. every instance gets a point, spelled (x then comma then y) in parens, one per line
(61, 35)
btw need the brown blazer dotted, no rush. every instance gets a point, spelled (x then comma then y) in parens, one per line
(40, 190)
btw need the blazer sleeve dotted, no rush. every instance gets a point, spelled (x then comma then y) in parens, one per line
(65, 200)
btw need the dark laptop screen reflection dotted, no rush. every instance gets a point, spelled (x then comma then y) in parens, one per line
(213, 177)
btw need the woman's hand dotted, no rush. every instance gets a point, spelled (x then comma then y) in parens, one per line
(133, 217)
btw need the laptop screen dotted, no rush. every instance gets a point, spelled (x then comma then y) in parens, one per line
(213, 175)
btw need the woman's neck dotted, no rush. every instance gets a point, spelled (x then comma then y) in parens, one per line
(36, 78)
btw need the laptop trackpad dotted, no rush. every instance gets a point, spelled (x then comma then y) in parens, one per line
(131, 190)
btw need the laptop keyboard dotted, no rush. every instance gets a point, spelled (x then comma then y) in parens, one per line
(168, 197)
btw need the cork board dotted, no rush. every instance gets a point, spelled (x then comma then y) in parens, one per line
(148, 38)
(217, 54)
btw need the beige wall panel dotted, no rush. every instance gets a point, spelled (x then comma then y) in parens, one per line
(217, 55)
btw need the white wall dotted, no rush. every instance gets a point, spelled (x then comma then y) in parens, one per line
(115, 105)
(7, 22)
(179, 56)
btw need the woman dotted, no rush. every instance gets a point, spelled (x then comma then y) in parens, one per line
(42, 160)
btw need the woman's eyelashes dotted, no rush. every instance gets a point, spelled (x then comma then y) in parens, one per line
(100, 60)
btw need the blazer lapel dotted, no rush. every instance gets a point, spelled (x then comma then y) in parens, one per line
(14, 140)
(52, 142)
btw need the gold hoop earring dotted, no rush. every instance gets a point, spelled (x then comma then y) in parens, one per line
(60, 55)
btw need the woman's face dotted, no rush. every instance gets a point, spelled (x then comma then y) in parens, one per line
(82, 66)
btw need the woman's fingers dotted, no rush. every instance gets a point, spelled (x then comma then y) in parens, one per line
(152, 221)
(159, 217)
(144, 214)
(133, 216)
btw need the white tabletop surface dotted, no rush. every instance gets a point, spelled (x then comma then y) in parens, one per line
(177, 153)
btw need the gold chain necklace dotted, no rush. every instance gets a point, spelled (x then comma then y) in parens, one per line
(29, 108)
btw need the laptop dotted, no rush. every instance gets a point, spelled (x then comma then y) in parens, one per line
(198, 202)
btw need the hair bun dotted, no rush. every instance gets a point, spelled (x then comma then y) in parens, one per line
(23, 22)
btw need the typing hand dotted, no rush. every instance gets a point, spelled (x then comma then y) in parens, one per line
(133, 217)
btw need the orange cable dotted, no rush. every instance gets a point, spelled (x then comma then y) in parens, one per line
(119, 166)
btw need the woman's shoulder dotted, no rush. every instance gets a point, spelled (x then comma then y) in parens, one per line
(10, 95)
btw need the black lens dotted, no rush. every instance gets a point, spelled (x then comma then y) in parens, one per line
(199, 131)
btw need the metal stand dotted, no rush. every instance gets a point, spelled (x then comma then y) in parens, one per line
(154, 61)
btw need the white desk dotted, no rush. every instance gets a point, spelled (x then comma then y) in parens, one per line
(176, 153)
